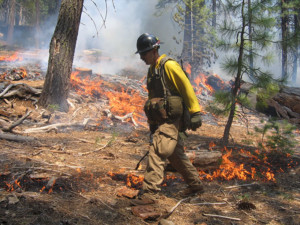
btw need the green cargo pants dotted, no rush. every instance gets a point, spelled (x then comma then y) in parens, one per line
(168, 145)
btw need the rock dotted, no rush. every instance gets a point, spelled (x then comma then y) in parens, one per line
(146, 212)
(126, 192)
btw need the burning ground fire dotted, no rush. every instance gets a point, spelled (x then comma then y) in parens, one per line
(121, 102)
(202, 84)
(12, 58)
(257, 168)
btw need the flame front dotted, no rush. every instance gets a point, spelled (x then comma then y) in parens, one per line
(201, 83)
(12, 58)
(121, 102)
(230, 170)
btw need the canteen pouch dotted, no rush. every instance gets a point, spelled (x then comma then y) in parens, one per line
(155, 110)
(174, 107)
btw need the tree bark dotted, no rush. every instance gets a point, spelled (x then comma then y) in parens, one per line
(214, 9)
(61, 54)
(186, 49)
(296, 51)
(250, 38)
(37, 23)
(11, 21)
(284, 37)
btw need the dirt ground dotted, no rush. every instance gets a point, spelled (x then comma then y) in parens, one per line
(74, 175)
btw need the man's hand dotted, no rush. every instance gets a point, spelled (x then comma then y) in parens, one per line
(196, 121)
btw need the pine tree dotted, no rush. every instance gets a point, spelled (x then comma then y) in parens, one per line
(245, 38)
(61, 54)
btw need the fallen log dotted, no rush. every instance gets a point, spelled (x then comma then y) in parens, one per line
(285, 104)
(18, 138)
(55, 127)
(202, 159)
(205, 158)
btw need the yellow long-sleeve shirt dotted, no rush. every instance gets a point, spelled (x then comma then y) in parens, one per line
(177, 82)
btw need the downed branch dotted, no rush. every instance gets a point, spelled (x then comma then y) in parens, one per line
(241, 185)
(209, 203)
(54, 127)
(94, 200)
(123, 118)
(169, 213)
(24, 87)
(18, 122)
(96, 150)
(14, 137)
(224, 217)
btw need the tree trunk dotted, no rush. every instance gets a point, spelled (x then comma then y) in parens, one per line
(237, 82)
(296, 51)
(37, 23)
(284, 37)
(11, 21)
(199, 48)
(186, 49)
(61, 54)
(214, 9)
(250, 38)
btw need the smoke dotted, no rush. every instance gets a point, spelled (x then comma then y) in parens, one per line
(114, 39)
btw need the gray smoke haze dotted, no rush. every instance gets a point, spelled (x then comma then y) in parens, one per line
(116, 42)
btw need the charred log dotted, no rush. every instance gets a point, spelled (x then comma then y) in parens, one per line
(284, 105)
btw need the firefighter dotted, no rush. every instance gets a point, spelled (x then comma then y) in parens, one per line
(171, 108)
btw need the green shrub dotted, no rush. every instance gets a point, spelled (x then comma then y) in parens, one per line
(277, 135)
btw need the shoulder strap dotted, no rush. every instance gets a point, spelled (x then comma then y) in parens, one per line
(161, 71)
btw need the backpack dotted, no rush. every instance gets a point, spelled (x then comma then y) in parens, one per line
(169, 108)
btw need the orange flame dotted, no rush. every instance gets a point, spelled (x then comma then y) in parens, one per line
(85, 86)
(201, 83)
(188, 69)
(12, 58)
(229, 170)
(121, 103)
(23, 72)
(211, 145)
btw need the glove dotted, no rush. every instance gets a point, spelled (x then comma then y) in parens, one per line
(196, 121)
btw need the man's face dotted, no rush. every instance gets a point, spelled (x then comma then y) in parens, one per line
(148, 57)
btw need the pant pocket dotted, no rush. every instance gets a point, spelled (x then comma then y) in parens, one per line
(165, 140)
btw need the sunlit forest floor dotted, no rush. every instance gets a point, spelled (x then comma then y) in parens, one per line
(76, 174)
(73, 176)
